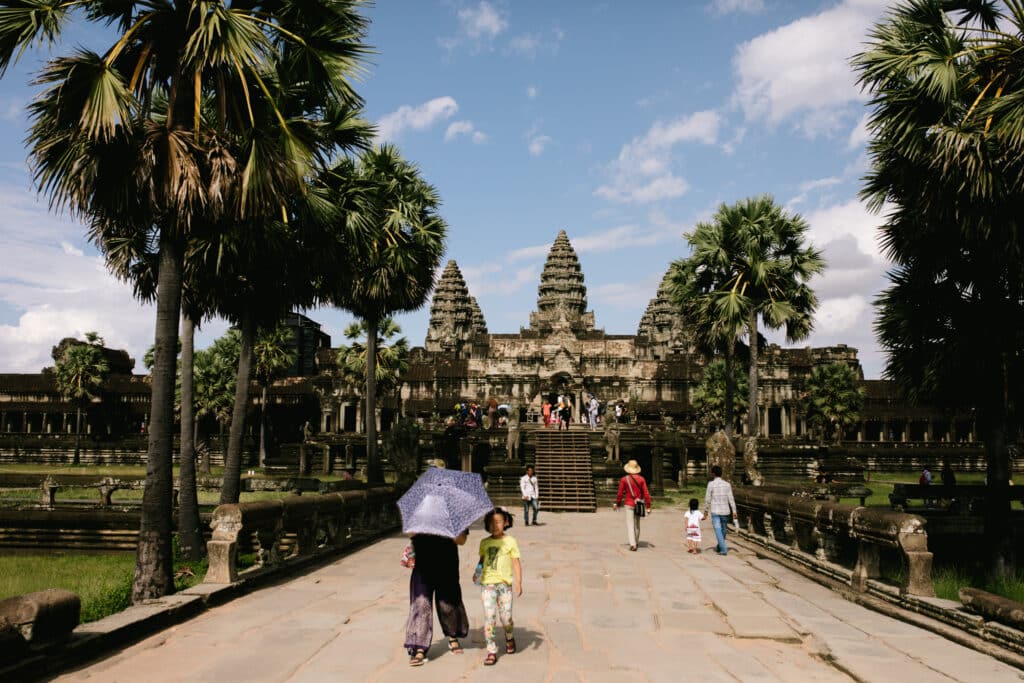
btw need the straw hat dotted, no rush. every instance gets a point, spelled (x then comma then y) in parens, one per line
(632, 467)
(439, 463)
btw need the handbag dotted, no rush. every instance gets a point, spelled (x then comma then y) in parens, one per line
(408, 557)
(639, 509)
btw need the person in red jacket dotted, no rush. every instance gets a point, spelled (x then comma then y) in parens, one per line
(633, 488)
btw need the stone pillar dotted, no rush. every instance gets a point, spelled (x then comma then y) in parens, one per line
(884, 434)
(359, 417)
(785, 420)
(906, 431)
(25, 426)
(929, 426)
(764, 420)
(376, 418)
(860, 431)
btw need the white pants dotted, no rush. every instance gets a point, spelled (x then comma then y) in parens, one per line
(632, 526)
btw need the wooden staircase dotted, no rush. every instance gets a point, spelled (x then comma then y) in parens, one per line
(564, 471)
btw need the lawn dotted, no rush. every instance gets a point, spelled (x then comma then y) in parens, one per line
(103, 581)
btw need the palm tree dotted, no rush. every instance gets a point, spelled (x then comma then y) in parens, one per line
(394, 265)
(947, 142)
(391, 363)
(760, 249)
(710, 397)
(832, 401)
(80, 372)
(215, 377)
(693, 287)
(272, 356)
(123, 140)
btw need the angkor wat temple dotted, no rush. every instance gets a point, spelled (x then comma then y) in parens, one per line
(561, 350)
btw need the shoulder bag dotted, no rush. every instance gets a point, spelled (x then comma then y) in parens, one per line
(639, 509)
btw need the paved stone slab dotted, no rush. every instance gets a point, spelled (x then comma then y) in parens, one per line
(592, 611)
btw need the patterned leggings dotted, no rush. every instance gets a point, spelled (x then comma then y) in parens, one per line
(497, 599)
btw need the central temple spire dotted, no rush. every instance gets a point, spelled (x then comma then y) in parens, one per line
(562, 296)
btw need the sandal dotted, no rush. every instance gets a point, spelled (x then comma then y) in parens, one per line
(491, 659)
(510, 646)
(454, 646)
(418, 659)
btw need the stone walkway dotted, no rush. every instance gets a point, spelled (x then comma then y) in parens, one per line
(591, 611)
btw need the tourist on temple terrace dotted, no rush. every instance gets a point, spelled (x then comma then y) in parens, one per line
(633, 489)
(435, 578)
(719, 502)
(531, 495)
(501, 573)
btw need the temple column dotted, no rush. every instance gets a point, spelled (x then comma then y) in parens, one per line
(906, 431)
(928, 430)
(764, 420)
(860, 431)
(785, 420)
(359, 418)
(884, 434)
(25, 426)
(376, 418)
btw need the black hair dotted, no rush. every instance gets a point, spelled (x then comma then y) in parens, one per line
(694, 503)
(505, 514)
(716, 471)
(530, 467)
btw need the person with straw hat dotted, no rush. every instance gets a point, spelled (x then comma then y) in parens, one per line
(633, 490)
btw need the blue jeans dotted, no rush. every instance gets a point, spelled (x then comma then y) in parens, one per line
(719, 523)
(527, 504)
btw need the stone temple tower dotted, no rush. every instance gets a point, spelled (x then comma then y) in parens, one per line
(662, 326)
(562, 296)
(454, 316)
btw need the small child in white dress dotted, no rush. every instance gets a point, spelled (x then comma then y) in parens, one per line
(693, 517)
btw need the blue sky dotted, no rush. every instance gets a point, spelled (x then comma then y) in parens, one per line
(622, 123)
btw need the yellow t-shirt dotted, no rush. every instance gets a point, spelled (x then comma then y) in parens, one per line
(497, 555)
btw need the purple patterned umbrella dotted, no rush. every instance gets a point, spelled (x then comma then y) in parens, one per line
(443, 503)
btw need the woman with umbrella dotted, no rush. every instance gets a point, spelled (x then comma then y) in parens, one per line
(435, 576)
(438, 511)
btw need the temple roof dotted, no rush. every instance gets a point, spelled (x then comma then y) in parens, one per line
(562, 296)
(479, 324)
(662, 322)
(451, 312)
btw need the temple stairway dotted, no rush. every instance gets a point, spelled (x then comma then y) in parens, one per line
(565, 471)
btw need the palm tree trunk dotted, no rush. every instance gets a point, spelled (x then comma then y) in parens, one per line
(190, 538)
(753, 419)
(231, 487)
(154, 563)
(730, 387)
(77, 457)
(374, 472)
(263, 427)
(996, 426)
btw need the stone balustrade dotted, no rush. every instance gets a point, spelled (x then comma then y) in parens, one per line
(295, 528)
(826, 535)
(36, 619)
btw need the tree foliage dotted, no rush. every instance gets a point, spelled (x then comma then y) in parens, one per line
(392, 356)
(946, 82)
(709, 398)
(831, 400)
(80, 372)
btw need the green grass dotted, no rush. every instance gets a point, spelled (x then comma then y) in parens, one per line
(948, 580)
(102, 581)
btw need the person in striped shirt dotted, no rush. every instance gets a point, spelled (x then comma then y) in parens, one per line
(719, 502)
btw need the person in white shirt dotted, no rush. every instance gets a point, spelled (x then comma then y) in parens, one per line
(719, 501)
(531, 495)
(593, 410)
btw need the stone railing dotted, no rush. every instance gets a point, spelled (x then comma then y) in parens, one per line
(36, 619)
(280, 532)
(825, 534)
(49, 485)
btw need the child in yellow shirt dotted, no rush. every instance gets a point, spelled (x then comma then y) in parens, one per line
(502, 572)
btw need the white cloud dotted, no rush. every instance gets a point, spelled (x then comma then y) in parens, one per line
(58, 290)
(531, 44)
(482, 21)
(643, 170)
(390, 126)
(490, 278)
(532, 92)
(658, 229)
(537, 144)
(859, 135)
(731, 6)
(841, 314)
(847, 219)
(801, 71)
(457, 128)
